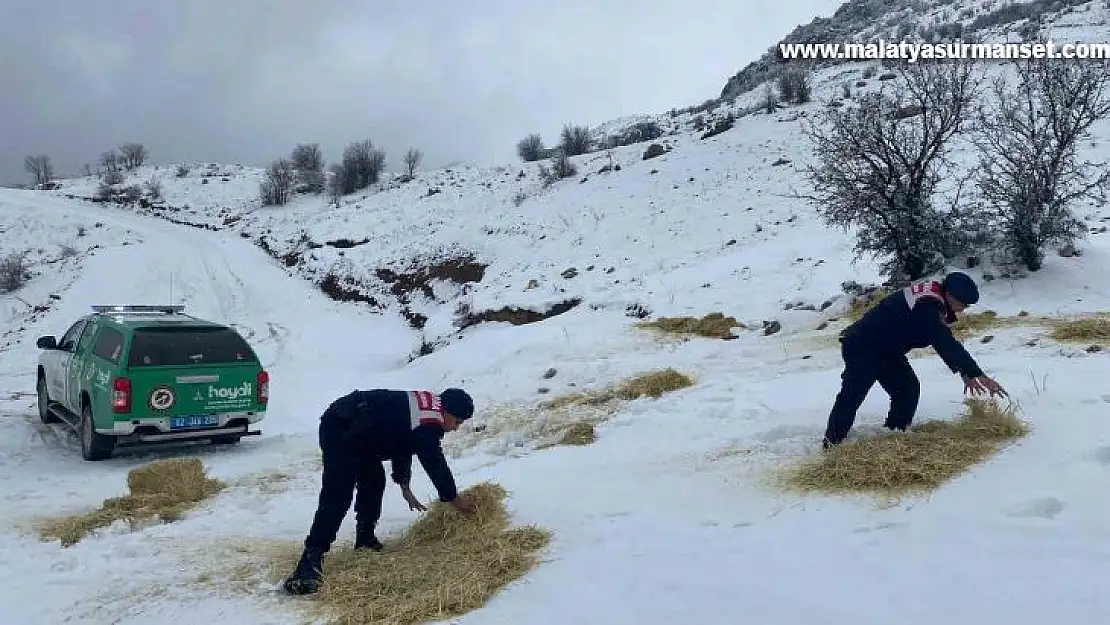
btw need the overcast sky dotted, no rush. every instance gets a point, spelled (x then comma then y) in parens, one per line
(243, 81)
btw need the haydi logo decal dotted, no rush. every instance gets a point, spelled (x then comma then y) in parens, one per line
(243, 390)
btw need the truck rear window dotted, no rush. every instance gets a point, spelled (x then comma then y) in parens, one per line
(158, 347)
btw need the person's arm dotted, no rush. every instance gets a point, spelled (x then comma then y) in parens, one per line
(929, 317)
(431, 457)
(402, 470)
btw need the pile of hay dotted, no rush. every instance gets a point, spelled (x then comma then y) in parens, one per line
(444, 566)
(164, 489)
(714, 325)
(653, 384)
(576, 434)
(920, 460)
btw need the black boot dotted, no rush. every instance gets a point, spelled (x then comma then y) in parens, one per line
(306, 578)
(365, 538)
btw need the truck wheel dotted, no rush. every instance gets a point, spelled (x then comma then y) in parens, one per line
(94, 446)
(44, 403)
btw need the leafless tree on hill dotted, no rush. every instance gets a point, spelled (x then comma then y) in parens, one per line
(412, 161)
(277, 184)
(132, 155)
(881, 160)
(1030, 171)
(40, 168)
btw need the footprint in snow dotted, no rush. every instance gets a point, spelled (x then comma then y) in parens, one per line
(1040, 507)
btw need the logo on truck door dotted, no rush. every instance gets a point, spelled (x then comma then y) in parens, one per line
(161, 398)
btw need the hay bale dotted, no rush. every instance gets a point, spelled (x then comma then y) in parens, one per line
(163, 490)
(714, 325)
(444, 566)
(921, 460)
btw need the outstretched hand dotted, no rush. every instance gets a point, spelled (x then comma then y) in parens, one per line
(414, 503)
(984, 384)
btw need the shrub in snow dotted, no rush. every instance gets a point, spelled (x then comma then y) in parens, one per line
(14, 272)
(530, 148)
(276, 188)
(575, 140)
(794, 85)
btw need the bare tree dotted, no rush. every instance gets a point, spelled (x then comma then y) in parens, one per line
(1030, 172)
(880, 162)
(794, 83)
(308, 161)
(362, 166)
(277, 184)
(575, 140)
(111, 160)
(308, 157)
(40, 168)
(412, 160)
(132, 155)
(530, 148)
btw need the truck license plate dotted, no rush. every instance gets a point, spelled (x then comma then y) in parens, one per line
(193, 421)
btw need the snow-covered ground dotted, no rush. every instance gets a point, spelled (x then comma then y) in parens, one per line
(666, 517)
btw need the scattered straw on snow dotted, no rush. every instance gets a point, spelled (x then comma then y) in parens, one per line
(1087, 329)
(444, 566)
(920, 460)
(578, 433)
(562, 420)
(714, 325)
(654, 384)
(164, 489)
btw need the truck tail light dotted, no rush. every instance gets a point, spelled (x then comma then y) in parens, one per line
(263, 387)
(121, 395)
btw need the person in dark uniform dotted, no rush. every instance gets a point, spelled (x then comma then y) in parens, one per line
(357, 433)
(875, 347)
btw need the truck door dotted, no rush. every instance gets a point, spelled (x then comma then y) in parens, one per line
(79, 368)
(57, 376)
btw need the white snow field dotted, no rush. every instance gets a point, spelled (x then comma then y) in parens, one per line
(667, 517)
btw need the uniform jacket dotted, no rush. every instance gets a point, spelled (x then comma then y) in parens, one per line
(911, 318)
(395, 425)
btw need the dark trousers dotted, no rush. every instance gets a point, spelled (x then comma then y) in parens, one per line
(346, 469)
(862, 368)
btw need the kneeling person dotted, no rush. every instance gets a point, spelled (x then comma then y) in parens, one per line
(357, 433)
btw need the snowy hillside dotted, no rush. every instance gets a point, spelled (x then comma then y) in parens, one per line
(868, 21)
(524, 292)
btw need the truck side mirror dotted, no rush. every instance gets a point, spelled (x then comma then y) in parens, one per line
(47, 342)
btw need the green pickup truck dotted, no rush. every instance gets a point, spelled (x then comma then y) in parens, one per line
(150, 374)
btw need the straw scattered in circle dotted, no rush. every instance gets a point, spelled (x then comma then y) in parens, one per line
(917, 461)
(164, 489)
(445, 565)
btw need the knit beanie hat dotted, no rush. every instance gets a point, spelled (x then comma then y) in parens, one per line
(961, 287)
(457, 402)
